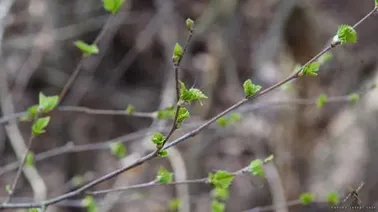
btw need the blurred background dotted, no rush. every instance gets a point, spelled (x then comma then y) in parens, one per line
(320, 150)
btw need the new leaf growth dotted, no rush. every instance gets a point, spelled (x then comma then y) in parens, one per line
(177, 53)
(86, 49)
(221, 179)
(346, 34)
(113, 6)
(164, 176)
(250, 89)
(189, 95)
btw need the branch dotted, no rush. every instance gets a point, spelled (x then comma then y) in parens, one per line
(156, 183)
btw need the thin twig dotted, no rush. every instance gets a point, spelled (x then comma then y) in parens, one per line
(78, 68)
(156, 183)
(86, 110)
(176, 66)
(19, 171)
(106, 112)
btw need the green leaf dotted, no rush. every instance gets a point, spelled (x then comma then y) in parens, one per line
(269, 158)
(34, 210)
(167, 113)
(90, 203)
(130, 109)
(177, 53)
(217, 206)
(164, 176)
(39, 125)
(310, 69)
(346, 34)
(8, 189)
(118, 149)
(77, 180)
(376, 3)
(250, 89)
(163, 153)
(306, 198)
(220, 193)
(222, 121)
(113, 6)
(326, 57)
(29, 161)
(47, 103)
(183, 114)
(354, 97)
(235, 117)
(174, 204)
(189, 95)
(256, 168)
(158, 139)
(221, 179)
(333, 198)
(321, 101)
(32, 112)
(86, 49)
(189, 24)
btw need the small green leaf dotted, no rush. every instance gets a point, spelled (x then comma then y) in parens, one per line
(235, 117)
(34, 210)
(29, 161)
(221, 179)
(86, 49)
(220, 193)
(189, 95)
(346, 34)
(183, 114)
(8, 189)
(217, 206)
(47, 103)
(326, 57)
(307, 198)
(189, 24)
(256, 168)
(222, 121)
(333, 198)
(118, 149)
(354, 97)
(113, 6)
(130, 109)
(39, 125)
(163, 153)
(158, 139)
(310, 69)
(90, 203)
(321, 101)
(167, 113)
(32, 112)
(250, 89)
(164, 176)
(269, 158)
(196, 94)
(177, 53)
(376, 4)
(77, 180)
(174, 204)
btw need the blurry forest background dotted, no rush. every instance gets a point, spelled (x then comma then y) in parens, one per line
(316, 150)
